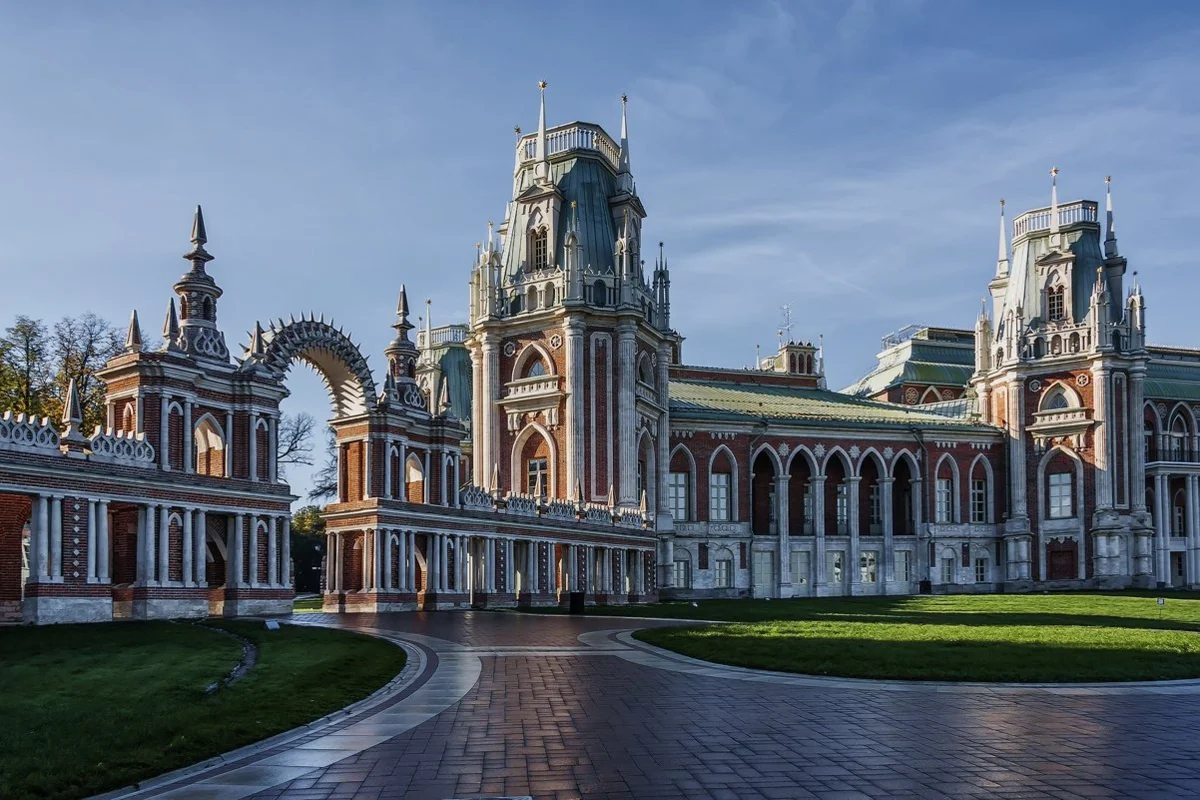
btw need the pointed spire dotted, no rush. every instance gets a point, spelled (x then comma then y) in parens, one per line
(170, 327)
(538, 490)
(642, 505)
(72, 409)
(198, 255)
(495, 476)
(444, 406)
(1054, 201)
(390, 393)
(578, 493)
(542, 170)
(1110, 241)
(133, 336)
(1002, 256)
(626, 176)
(257, 348)
(612, 496)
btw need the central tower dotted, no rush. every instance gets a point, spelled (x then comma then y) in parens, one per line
(570, 338)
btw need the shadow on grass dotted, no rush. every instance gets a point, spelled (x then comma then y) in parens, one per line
(930, 660)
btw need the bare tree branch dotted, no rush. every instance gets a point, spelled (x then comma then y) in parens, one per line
(295, 439)
(325, 480)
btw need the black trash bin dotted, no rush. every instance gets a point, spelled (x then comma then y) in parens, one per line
(576, 603)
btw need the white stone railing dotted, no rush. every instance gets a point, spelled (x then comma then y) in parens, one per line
(447, 334)
(573, 137)
(30, 434)
(475, 498)
(125, 447)
(1068, 214)
(531, 387)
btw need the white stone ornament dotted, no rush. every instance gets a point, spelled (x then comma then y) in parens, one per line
(784, 449)
(1035, 385)
(819, 451)
(510, 349)
(556, 341)
(854, 451)
(888, 453)
(1083, 380)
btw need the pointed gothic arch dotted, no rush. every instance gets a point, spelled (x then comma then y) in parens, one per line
(725, 463)
(327, 350)
(682, 461)
(1059, 395)
(208, 444)
(647, 469)
(981, 469)
(532, 351)
(519, 468)
(947, 508)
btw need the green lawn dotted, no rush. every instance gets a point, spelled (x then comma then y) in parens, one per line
(308, 605)
(89, 708)
(1021, 638)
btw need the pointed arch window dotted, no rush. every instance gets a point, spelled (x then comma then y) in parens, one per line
(539, 250)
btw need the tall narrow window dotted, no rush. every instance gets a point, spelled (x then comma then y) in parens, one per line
(718, 497)
(866, 566)
(535, 469)
(724, 577)
(981, 570)
(1056, 308)
(677, 495)
(948, 569)
(538, 249)
(874, 510)
(978, 501)
(808, 509)
(903, 565)
(945, 497)
(1060, 505)
(683, 574)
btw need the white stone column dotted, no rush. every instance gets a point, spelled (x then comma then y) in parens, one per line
(56, 538)
(252, 573)
(1193, 532)
(783, 530)
(852, 515)
(187, 548)
(364, 573)
(103, 570)
(366, 468)
(817, 487)
(91, 541)
(889, 530)
(272, 449)
(1101, 439)
(663, 521)
(589, 569)
(200, 540)
(189, 458)
(410, 574)
(489, 454)
(626, 419)
(330, 562)
(1136, 446)
(228, 444)
(238, 559)
(443, 483)
(387, 469)
(386, 557)
(164, 433)
(146, 533)
(551, 569)
(1162, 524)
(378, 551)
(339, 570)
(509, 584)
(252, 424)
(164, 545)
(272, 550)
(575, 423)
(285, 562)
(39, 539)
(477, 477)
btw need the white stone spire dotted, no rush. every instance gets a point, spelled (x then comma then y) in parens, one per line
(542, 170)
(1002, 257)
(133, 336)
(1110, 241)
(171, 327)
(1054, 207)
(625, 179)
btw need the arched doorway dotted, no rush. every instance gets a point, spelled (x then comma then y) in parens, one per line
(763, 508)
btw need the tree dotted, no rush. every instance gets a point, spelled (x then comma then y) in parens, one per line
(308, 548)
(325, 480)
(26, 371)
(295, 439)
(82, 346)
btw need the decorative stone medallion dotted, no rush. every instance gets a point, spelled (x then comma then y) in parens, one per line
(510, 349)
(556, 341)
(1035, 385)
(1083, 379)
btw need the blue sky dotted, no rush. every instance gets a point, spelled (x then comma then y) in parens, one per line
(845, 157)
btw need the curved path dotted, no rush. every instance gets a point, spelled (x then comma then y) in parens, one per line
(503, 705)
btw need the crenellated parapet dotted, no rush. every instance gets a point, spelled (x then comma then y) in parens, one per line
(28, 433)
(129, 448)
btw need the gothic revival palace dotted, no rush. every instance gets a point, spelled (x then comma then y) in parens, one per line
(559, 444)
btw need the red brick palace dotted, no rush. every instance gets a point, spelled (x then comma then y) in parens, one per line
(558, 443)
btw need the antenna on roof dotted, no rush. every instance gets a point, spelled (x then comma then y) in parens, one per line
(785, 330)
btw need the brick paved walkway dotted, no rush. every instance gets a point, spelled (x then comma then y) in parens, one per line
(561, 708)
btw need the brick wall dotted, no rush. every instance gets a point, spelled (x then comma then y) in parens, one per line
(14, 513)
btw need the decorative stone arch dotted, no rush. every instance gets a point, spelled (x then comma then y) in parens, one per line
(1049, 400)
(880, 464)
(1179, 432)
(517, 472)
(838, 452)
(531, 351)
(645, 370)
(770, 451)
(208, 442)
(905, 455)
(734, 507)
(989, 486)
(803, 452)
(549, 295)
(646, 452)
(691, 476)
(930, 395)
(327, 350)
(415, 480)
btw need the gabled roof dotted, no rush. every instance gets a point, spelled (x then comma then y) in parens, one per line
(922, 360)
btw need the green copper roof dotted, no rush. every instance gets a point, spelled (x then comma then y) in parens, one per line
(1173, 374)
(919, 361)
(707, 400)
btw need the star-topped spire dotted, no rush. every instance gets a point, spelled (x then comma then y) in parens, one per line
(198, 255)
(625, 180)
(1054, 202)
(133, 336)
(1110, 241)
(402, 353)
(1002, 256)
(542, 170)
